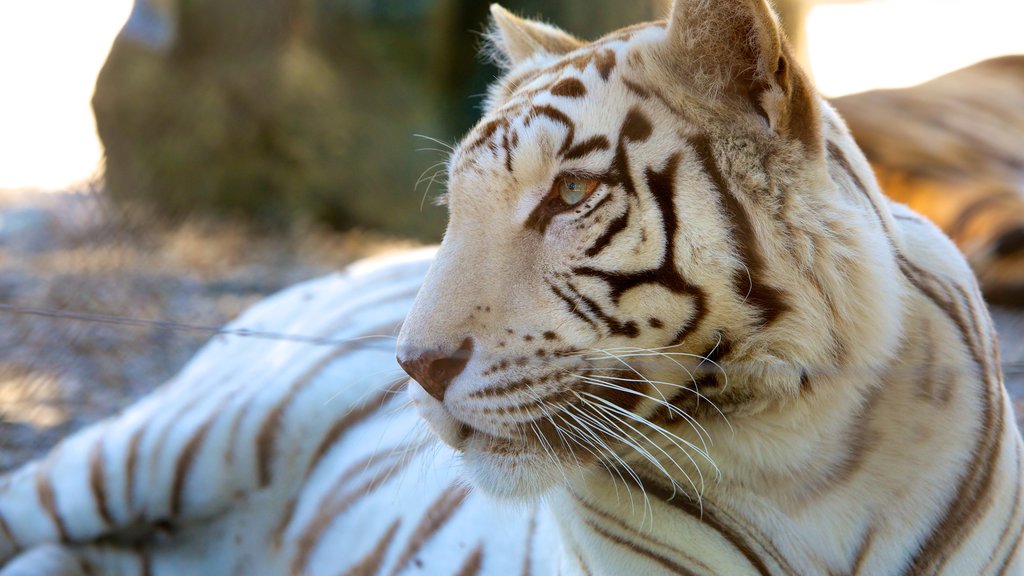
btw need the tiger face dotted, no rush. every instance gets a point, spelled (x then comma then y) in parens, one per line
(644, 240)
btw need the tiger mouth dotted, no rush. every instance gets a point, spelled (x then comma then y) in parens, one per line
(537, 435)
(527, 437)
(526, 418)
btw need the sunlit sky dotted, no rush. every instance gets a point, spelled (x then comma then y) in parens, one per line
(50, 54)
(52, 50)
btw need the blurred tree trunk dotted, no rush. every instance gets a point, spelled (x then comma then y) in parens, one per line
(237, 28)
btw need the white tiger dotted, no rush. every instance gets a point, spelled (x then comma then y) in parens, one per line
(673, 328)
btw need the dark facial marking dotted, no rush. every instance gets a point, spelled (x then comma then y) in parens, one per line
(605, 62)
(635, 128)
(586, 147)
(569, 88)
(573, 306)
(770, 301)
(559, 117)
(662, 186)
(614, 325)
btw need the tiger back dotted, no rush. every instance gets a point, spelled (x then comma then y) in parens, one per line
(953, 150)
(674, 328)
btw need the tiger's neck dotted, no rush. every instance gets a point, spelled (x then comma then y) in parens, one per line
(799, 492)
(806, 488)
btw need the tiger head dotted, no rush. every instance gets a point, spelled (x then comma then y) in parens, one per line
(645, 241)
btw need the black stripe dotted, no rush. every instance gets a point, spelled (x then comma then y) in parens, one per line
(571, 305)
(5, 529)
(589, 145)
(183, 465)
(977, 480)
(98, 482)
(48, 500)
(769, 300)
(662, 187)
(609, 518)
(614, 229)
(707, 516)
(437, 516)
(614, 325)
(559, 117)
(634, 546)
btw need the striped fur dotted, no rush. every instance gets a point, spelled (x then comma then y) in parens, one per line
(732, 356)
(953, 150)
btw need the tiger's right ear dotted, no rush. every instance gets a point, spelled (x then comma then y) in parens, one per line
(514, 40)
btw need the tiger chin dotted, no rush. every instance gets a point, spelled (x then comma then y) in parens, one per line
(509, 467)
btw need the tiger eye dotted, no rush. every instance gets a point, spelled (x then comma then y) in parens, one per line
(575, 189)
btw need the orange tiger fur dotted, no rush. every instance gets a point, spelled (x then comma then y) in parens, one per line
(953, 150)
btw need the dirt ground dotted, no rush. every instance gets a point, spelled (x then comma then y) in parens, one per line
(61, 252)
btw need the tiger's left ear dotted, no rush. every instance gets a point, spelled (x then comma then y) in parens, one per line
(514, 39)
(735, 49)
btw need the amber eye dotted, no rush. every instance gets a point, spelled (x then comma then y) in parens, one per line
(575, 189)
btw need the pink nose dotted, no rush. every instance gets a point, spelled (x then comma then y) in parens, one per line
(435, 369)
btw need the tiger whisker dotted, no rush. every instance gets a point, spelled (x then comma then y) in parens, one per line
(449, 147)
(694, 423)
(750, 283)
(644, 353)
(703, 359)
(625, 437)
(613, 454)
(594, 420)
(423, 176)
(380, 439)
(587, 445)
(561, 440)
(675, 438)
(658, 352)
(434, 170)
(618, 422)
(549, 450)
(634, 370)
(370, 390)
(667, 405)
(402, 463)
(445, 152)
(668, 435)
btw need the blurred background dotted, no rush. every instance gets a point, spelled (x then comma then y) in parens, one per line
(177, 160)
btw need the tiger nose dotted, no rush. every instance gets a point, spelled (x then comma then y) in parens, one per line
(434, 370)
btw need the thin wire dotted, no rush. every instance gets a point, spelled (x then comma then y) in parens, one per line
(180, 326)
(1008, 367)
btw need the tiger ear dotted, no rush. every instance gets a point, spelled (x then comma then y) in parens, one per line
(514, 39)
(736, 49)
